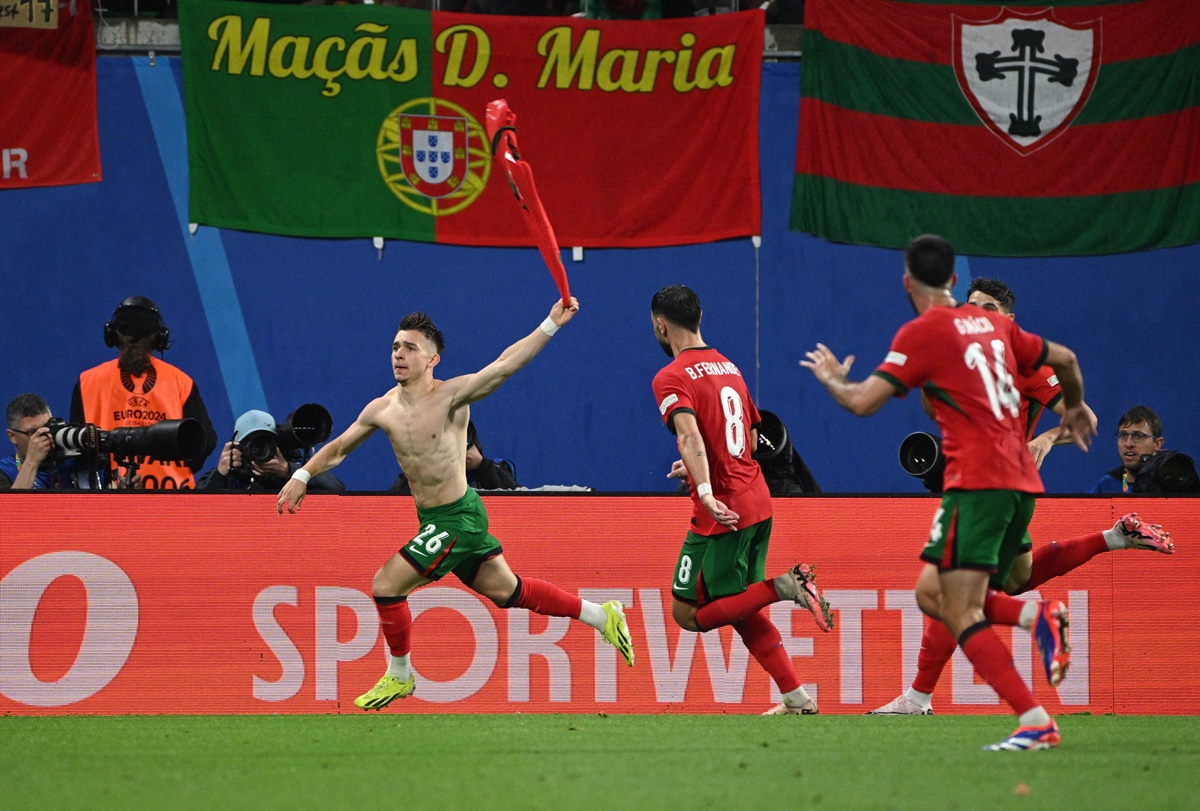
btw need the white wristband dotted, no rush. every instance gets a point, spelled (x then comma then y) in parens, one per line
(302, 475)
(549, 327)
(703, 490)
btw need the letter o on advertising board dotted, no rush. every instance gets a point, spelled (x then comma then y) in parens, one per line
(112, 621)
(487, 643)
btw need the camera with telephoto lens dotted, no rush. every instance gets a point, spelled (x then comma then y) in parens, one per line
(1166, 472)
(165, 441)
(921, 456)
(258, 437)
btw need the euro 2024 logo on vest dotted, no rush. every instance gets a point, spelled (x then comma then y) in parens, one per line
(433, 155)
(1026, 74)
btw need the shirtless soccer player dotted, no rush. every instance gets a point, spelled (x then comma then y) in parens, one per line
(426, 421)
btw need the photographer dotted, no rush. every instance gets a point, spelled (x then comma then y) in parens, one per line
(134, 390)
(32, 466)
(253, 461)
(1146, 467)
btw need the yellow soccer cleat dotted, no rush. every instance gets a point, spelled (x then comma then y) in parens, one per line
(616, 632)
(385, 691)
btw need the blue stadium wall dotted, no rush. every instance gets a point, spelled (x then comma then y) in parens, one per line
(271, 322)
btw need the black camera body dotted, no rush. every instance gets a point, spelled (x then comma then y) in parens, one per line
(1166, 472)
(258, 448)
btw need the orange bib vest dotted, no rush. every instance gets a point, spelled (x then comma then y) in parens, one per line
(112, 399)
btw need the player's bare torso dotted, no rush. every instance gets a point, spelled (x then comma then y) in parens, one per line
(428, 438)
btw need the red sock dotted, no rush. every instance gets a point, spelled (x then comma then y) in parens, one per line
(736, 607)
(1000, 609)
(937, 646)
(541, 597)
(762, 639)
(994, 664)
(1061, 557)
(395, 619)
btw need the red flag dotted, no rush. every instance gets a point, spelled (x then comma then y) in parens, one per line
(49, 134)
(501, 123)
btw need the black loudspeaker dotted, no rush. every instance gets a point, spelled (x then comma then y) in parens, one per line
(135, 308)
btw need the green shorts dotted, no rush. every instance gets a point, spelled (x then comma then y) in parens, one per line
(980, 529)
(716, 566)
(453, 538)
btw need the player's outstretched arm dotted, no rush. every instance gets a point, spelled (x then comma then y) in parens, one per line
(863, 398)
(474, 387)
(328, 457)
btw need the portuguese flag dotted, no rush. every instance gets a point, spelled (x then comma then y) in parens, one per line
(1013, 130)
(367, 120)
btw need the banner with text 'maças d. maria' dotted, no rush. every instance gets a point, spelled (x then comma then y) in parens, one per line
(359, 121)
(1015, 128)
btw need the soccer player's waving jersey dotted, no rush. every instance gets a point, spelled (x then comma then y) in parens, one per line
(967, 360)
(705, 383)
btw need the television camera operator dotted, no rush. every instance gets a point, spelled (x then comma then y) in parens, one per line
(262, 456)
(1146, 466)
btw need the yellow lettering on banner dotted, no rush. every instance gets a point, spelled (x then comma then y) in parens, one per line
(405, 64)
(377, 46)
(681, 82)
(468, 50)
(322, 68)
(289, 56)
(629, 70)
(723, 59)
(281, 67)
(29, 14)
(459, 38)
(555, 45)
(227, 33)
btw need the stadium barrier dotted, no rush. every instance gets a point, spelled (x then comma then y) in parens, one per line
(156, 603)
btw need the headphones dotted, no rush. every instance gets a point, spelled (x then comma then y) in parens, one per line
(162, 335)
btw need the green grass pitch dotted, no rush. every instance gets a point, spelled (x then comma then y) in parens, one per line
(390, 760)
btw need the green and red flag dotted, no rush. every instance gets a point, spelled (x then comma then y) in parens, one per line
(1014, 129)
(364, 121)
(49, 127)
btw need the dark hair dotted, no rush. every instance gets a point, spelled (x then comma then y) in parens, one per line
(26, 405)
(423, 324)
(678, 304)
(1141, 413)
(930, 260)
(997, 290)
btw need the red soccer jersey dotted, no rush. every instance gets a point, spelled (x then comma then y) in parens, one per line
(968, 359)
(705, 383)
(1039, 392)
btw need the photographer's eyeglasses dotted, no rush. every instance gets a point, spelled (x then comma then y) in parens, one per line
(30, 432)
(1138, 436)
